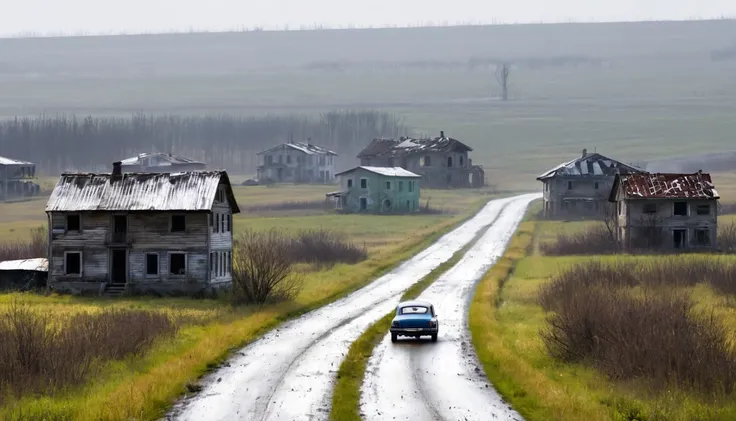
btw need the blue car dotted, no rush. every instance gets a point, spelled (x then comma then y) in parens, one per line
(415, 319)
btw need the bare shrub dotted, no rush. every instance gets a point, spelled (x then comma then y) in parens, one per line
(727, 238)
(41, 355)
(595, 240)
(322, 246)
(35, 246)
(655, 334)
(263, 268)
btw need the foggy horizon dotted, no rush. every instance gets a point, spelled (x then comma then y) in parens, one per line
(87, 17)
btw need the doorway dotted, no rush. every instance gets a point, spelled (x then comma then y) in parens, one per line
(363, 203)
(118, 266)
(679, 238)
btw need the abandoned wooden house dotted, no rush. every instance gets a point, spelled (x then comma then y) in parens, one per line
(442, 162)
(377, 190)
(141, 233)
(296, 163)
(17, 179)
(580, 188)
(161, 162)
(665, 210)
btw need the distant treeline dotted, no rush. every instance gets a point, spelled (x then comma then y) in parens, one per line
(64, 143)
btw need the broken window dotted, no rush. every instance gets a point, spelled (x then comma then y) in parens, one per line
(703, 209)
(178, 223)
(427, 161)
(680, 208)
(152, 264)
(73, 223)
(363, 183)
(649, 208)
(569, 185)
(178, 263)
(702, 237)
(73, 263)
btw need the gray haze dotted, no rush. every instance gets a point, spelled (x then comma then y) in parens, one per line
(131, 16)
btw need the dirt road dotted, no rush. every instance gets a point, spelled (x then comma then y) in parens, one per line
(421, 380)
(289, 373)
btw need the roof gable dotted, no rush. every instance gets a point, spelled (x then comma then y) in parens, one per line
(158, 159)
(404, 146)
(593, 164)
(185, 191)
(664, 186)
(306, 148)
(385, 171)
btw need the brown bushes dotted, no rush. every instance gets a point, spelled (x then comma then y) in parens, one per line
(324, 247)
(289, 206)
(41, 355)
(595, 240)
(652, 333)
(36, 246)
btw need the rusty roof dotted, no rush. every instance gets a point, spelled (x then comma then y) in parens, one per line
(665, 186)
(404, 146)
(183, 191)
(589, 164)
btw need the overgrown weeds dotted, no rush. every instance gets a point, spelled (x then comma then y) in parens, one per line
(42, 355)
(653, 332)
(325, 247)
(34, 247)
(289, 206)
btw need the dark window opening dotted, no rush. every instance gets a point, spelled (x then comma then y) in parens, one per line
(363, 183)
(411, 186)
(388, 185)
(703, 210)
(217, 222)
(702, 237)
(178, 264)
(449, 161)
(679, 238)
(649, 208)
(212, 263)
(73, 223)
(178, 223)
(350, 183)
(569, 185)
(222, 221)
(73, 263)
(427, 161)
(401, 186)
(461, 161)
(152, 264)
(229, 222)
(680, 208)
(596, 186)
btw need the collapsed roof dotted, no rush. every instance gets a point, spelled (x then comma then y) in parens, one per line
(156, 159)
(593, 164)
(404, 146)
(664, 186)
(307, 148)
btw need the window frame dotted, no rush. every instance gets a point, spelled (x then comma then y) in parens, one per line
(674, 208)
(66, 222)
(707, 207)
(158, 265)
(387, 185)
(350, 183)
(363, 182)
(171, 223)
(186, 264)
(706, 231)
(81, 263)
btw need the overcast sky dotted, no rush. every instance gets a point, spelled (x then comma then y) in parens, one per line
(106, 16)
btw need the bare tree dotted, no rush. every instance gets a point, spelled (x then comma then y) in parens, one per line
(503, 71)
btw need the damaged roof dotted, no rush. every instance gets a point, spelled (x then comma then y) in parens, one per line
(664, 186)
(307, 148)
(387, 171)
(590, 164)
(183, 191)
(404, 146)
(8, 161)
(158, 159)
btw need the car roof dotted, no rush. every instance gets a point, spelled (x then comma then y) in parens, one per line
(415, 303)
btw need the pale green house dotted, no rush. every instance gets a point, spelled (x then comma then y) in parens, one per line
(377, 190)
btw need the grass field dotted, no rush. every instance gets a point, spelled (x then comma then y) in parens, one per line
(141, 387)
(506, 321)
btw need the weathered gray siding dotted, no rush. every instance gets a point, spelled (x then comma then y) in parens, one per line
(576, 195)
(437, 172)
(221, 242)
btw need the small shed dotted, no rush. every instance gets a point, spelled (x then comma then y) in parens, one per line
(367, 189)
(24, 274)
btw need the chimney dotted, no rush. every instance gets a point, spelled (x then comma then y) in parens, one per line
(585, 153)
(117, 170)
(442, 134)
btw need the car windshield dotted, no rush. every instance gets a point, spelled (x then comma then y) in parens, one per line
(413, 310)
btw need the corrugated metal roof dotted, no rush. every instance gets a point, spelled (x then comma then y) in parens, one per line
(387, 171)
(307, 148)
(406, 146)
(184, 191)
(8, 161)
(668, 186)
(158, 159)
(36, 265)
(593, 164)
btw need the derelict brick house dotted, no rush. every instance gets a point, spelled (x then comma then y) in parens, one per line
(666, 210)
(139, 233)
(580, 188)
(161, 162)
(296, 163)
(442, 162)
(377, 190)
(17, 179)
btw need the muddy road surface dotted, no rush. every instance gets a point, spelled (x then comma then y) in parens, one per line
(420, 380)
(289, 373)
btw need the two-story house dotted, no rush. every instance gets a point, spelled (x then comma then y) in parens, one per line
(377, 190)
(296, 163)
(17, 179)
(443, 162)
(139, 233)
(580, 188)
(665, 210)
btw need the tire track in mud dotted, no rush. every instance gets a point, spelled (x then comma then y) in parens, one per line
(289, 373)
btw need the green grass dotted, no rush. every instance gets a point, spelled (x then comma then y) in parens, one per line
(505, 321)
(346, 395)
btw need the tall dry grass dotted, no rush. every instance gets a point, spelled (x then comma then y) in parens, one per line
(35, 246)
(653, 332)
